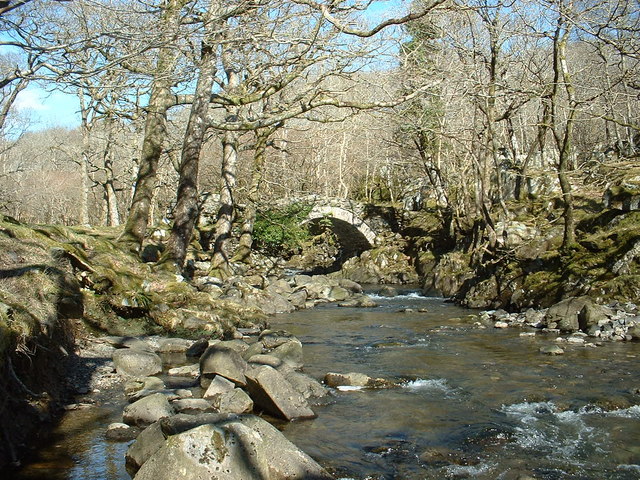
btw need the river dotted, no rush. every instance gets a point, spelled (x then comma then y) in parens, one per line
(474, 402)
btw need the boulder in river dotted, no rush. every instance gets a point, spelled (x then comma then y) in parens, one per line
(148, 383)
(150, 440)
(192, 405)
(233, 401)
(274, 394)
(223, 361)
(307, 386)
(217, 386)
(136, 363)
(564, 315)
(352, 379)
(591, 314)
(197, 348)
(290, 353)
(185, 371)
(272, 339)
(388, 291)
(243, 448)
(147, 410)
(174, 345)
(350, 285)
(338, 294)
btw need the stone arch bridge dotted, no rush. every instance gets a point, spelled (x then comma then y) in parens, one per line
(357, 226)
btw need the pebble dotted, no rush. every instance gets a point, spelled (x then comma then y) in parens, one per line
(552, 350)
(121, 432)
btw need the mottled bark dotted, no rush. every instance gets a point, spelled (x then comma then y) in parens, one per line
(160, 101)
(108, 184)
(186, 211)
(85, 181)
(564, 136)
(243, 253)
(220, 261)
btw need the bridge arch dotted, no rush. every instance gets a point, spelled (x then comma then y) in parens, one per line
(353, 233)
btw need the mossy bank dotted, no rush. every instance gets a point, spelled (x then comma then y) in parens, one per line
(60, 284)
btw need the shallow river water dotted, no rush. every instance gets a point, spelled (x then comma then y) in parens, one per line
(474, 403)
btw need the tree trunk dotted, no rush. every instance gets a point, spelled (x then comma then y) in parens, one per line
(220, 261)
(155, 132)
(111, 201)
(564, 139)
(186, 211)
(85, 180)
(10, 99)
(246, 237)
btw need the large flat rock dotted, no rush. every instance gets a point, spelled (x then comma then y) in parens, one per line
(273, 393)
(236, 448)
(136, 363)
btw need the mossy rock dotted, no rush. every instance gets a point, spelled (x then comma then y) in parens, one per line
(100, 316)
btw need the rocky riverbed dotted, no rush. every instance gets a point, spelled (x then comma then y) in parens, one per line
(200, 419)
(576, 321)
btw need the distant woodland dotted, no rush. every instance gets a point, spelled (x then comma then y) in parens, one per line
(467, 107)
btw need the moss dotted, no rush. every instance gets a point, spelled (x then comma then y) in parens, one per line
(622, 288)
(623, 192)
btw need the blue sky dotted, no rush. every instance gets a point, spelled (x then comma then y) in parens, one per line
(48, 109)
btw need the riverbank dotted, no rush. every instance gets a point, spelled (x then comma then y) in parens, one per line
(60, 285)
(527, 268)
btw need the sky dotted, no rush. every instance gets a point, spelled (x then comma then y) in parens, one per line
(48, 109)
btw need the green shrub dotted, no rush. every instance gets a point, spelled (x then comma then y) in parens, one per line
(280, 231)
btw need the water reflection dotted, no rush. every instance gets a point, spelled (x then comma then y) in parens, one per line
(77, 448)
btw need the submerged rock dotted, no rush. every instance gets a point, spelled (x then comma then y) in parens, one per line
(552, 350)
(121, 432)
(359, 301)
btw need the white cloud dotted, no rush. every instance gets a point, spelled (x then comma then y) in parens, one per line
(30, 100)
